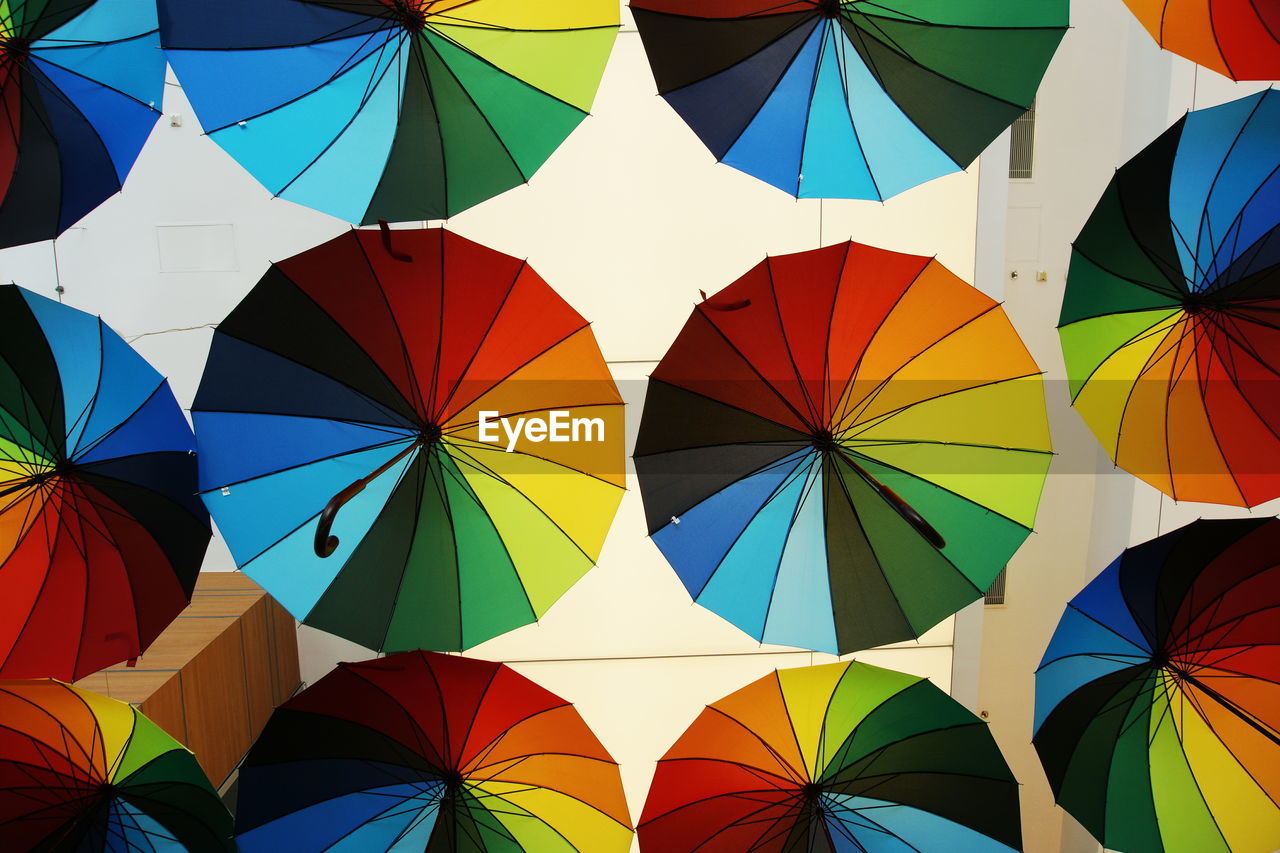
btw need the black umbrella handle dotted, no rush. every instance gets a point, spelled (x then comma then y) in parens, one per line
(325, 543)
(385, 228)
(904, 509)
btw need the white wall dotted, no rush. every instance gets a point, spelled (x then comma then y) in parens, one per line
(628, 220)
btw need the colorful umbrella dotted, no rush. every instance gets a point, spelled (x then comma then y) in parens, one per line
(422, 751)
(80, 89)
(101, 534)
(821, 456)
(1169, 322)
(81, 772)
(1158, 700)
(829, 99)
(389, 109)
(838, 758)
(358, 374)
(1238, 39)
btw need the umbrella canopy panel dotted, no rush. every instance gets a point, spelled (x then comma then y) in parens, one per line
(81, 772)
(353, 364)
(399, 110)
(422, 751)
(80, 90)
(1238, 39)
(1169, 321)
(828, 99)
(101, 532)
(1158, 699)
(841, 758)
(818, 455)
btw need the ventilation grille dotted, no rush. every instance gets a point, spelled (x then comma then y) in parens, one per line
(995, 595)
(1022, 146)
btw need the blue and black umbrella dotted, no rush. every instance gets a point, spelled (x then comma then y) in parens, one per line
(80, 89)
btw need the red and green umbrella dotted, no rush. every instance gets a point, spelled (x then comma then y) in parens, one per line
(843, 448)
(81, 772)
(422, 751)
(389, 109)
(1158, 699)
(849, 98)
(1169, 321)
(101, 533)
(345, 394)
(842, 758)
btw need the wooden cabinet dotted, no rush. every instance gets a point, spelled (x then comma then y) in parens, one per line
(213, 677)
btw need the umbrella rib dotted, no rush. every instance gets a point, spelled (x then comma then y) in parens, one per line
(473, 400)
(1234, 709)
(484, 61)
(867, 399)
(765, 382)
(1213, 184)
(485, 470)
(415, 387)
(797, 777)
(802, 20)
(1202, 392)
(489, 124)
(829, 401)
(376, 78)
(855, 429)
(806, 490)
(1177, 733)
(484, 338)
(373, 404)
(455, 474)
(421, 467)
(387, 38)
(815, 417)
(1199, 709)
(778, 489)
(456, 427)
(38, 52)
(92, 445)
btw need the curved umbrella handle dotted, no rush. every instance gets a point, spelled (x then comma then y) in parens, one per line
(325, 543)
(904, 509)
(908, 512)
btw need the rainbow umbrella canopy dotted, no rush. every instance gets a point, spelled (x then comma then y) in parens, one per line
(1169, 322)
(841, 758)
(81, 772)
(842, 448)
(389, 109)
(80, 89)
(423, 751)
(1158, 700)
(1238, 38)
(358, 389)
(101, 533)
(855, 99)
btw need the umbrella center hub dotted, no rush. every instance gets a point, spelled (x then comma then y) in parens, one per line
(15, 49)
(430, 434)
(811, 792)
(453, 783)
(824, 440)
(830, 8)
(1197, 302)
(410, 16)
